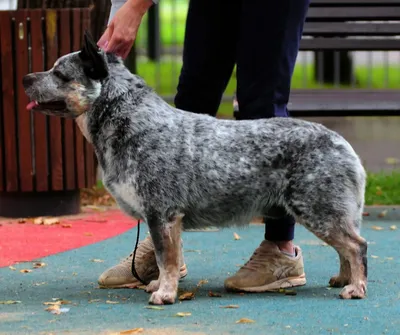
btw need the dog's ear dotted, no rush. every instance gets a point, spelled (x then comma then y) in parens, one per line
(94, 62)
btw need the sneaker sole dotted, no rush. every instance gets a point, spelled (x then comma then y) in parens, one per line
(182, 272)
(273, 287)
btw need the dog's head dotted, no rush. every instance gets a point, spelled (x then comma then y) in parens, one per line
(73, 84)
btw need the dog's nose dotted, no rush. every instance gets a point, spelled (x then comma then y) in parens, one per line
(28, 80)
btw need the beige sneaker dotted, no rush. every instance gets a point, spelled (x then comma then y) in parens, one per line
(268, 270)
(120, 275)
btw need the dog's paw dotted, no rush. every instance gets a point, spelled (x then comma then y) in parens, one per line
(161, 298)
(338, 281)
(153, 286)
(354, 291)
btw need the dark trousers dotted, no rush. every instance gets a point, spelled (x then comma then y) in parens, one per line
(262, 38)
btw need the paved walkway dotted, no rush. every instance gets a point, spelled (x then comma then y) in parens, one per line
(211, 256)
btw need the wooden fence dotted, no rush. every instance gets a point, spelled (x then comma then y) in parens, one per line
(39, 153)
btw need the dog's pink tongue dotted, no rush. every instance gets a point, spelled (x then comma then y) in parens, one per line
(31, 105)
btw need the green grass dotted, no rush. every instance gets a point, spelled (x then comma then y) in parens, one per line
(383, 188)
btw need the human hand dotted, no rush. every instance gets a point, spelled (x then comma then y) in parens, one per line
(122, 29)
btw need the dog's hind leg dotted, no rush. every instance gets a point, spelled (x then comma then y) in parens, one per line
(167, 243)
(343, 235)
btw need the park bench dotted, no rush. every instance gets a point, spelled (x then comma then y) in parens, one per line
(349, 25)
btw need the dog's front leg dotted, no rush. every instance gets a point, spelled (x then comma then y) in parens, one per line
(166, 237)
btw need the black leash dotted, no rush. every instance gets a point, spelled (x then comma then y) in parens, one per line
(134, 273)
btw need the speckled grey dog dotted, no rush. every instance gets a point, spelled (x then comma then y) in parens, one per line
(172, 168)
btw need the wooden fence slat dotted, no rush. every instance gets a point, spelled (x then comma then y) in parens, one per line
(68, 141)
(24, 117)
(2, 169)
(56, 158)
(89, 153)
(8, 94)
(40, 120)
(79, 139)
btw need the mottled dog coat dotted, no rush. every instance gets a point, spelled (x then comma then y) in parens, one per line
(171, 168)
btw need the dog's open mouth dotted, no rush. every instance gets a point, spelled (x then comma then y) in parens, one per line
(50, 105)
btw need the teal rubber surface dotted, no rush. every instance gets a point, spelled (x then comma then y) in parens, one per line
(212, 256)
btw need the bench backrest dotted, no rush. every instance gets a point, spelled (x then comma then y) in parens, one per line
(364, 25)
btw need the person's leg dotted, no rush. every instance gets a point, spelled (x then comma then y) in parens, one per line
(270, 33)
(208, 62)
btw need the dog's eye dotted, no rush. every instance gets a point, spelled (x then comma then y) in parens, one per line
(59, 75)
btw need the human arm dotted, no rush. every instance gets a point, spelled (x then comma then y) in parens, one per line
(124, 22)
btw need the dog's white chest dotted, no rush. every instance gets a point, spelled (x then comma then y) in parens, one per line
(127, 198)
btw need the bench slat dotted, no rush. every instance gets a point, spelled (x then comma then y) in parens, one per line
(360, 3)
(56, 158)
(24, 117)
(79, 139)
(350, 44)
(40, 120)
(348, 29)
(8, 94)
(67, 124)
(344, 102)
(353, 13)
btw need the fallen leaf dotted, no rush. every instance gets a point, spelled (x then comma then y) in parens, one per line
(39, 284)
(38, 220)
(229, 306)
(394, 227)
(365, 214)
(158, 308)
(182, 314)
(97, 260)
(214, 294)
(382, 214)
(66, 225)
(141, 287)
(51, 221)
(93, 300)
(245, 320)
(88, 234)
(290, 292)
(12, 268)
(389, 258)
(39, 265)
(202, 282)
(9, 302)
(25, 271)
(236, 236)
(186, 296)
(112, 302)
(373, 256)
(96, 220)
(131, 331)
(377, 228)
(21, 221)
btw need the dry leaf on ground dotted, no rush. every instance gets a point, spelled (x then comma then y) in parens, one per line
(40, 284)
(39, 265)
(93, 300)
(88, 234)
(183, 314)
(373, 256)
(377, 228)
(214, 294)
(365, 214)
(112, 302)
(131, 331)
(96, 260)
(394, 227)
(38, 220)
(245, 320)
(12, 268)
(202, 282)
(236, 236)
(158, 308)
(382, 214)
(186, 296)
(51, 221)
(66, 225)
(25, 271)
(9, 302)
(229, 306)
(21, 221)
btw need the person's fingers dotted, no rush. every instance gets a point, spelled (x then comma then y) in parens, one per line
(104, 39)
